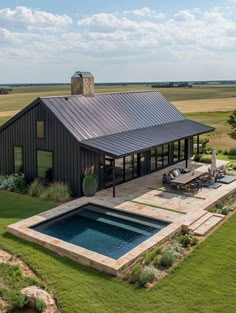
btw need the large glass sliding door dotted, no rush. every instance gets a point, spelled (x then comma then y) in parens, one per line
(108, 168)
(126, 168)
(165, 153)
(159, 157)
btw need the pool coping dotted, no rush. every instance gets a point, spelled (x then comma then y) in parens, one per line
(81, 255)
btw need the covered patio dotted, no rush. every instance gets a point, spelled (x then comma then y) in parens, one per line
(139, 152)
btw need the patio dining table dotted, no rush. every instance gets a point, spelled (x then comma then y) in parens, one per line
(187, 178)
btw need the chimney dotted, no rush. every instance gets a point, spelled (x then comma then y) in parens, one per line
(82, 83)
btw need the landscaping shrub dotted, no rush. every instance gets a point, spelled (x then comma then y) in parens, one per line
(197, 157)
(187, 240)
(177, 249)
(135, 273)
(204, 158)
(224, 210)
(149, 257)
(232, 152)
(40, 305)
(14, 182)
(148, 274)
(167, 259)
(58, 192)
(36, 188)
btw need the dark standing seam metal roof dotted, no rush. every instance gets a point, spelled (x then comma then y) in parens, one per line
(123, 123)
(119, 123)
(107, 114)
(141, 139)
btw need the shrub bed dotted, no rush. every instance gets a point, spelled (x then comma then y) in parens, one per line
(14, 183)
(156, 263)
(225, 206)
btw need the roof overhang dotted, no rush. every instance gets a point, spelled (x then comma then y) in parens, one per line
(135, 141)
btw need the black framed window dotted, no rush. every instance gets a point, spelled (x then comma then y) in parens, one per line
(129, 163)
(165, 154)
(176, 151)
(108, 168)
(126, 168)
(18, 159)
(153, 159)
(159, 157)
(135, 165)
(119, 170)
(40, 133)
(45, 165)
(182, 150)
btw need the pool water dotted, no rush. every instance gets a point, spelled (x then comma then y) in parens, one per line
(109, 232)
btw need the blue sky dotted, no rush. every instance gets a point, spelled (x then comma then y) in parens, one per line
(167, 40)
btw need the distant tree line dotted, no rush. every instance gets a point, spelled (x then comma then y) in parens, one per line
(5, 91)
(232, 122)
(172, 85)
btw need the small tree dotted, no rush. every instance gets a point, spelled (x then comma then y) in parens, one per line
(232, 122)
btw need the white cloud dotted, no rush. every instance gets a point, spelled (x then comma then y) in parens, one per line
(145, 12)
(120, 38)
(184, 16)
(30, 19)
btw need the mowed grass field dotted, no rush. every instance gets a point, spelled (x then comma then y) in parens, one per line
(186, 99)
(209, 105)
(203, 283)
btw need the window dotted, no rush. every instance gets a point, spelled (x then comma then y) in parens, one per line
(165, 154)
(18, 159)
(40, 129)
(176, 151)
(108, 175)
(119, 170)
(153, 164)
(44, 165)
(182, 150)
(159, 156)
(129, 163)
(126, 168)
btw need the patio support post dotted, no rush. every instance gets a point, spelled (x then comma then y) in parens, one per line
(186, 151)
(114, 178)
(197, 144)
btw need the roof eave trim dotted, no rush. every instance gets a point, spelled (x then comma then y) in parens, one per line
(83, 144)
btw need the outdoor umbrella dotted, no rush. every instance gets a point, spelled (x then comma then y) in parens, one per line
(213, 162)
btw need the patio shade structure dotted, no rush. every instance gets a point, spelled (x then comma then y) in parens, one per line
(139, 140)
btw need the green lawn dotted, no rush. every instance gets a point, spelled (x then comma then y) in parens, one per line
(203, 282)
(219, 139)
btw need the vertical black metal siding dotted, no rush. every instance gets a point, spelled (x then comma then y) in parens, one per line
(66, 157)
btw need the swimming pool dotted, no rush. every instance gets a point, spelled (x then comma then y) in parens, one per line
(106, 231)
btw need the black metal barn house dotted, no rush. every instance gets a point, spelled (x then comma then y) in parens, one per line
(123, 135)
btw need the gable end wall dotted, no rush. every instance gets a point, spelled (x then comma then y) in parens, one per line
(66, 150)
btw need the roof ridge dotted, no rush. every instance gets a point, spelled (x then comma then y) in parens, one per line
(102, 93)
